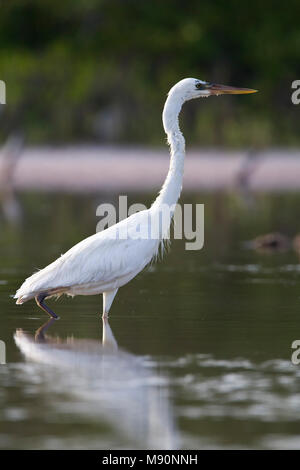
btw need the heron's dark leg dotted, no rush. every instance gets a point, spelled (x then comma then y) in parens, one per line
(40, 301)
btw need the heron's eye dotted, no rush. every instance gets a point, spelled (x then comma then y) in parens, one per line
(202, 86)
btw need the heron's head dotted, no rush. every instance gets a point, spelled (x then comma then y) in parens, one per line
(190, 88)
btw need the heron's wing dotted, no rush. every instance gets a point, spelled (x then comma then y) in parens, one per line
(105, 257)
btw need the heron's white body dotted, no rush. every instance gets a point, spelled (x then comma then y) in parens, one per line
(104, 262)
(100, 263)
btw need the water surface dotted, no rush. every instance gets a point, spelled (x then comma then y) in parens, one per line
(197, 352)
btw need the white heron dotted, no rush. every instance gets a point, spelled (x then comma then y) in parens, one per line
(105, 261)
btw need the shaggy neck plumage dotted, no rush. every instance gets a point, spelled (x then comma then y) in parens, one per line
(171, 189)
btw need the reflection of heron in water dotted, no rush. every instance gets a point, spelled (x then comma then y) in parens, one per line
(9, 157)
(112, 385)
(110, 259)
(108, 340)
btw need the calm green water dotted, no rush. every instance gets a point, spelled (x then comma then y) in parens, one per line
(204, 337)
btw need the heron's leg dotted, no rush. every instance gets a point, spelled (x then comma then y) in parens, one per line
(40, 301)
(108, 298)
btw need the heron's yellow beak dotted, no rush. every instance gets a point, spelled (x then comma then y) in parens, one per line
(228, 90)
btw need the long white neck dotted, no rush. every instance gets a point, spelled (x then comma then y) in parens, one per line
(171, 189)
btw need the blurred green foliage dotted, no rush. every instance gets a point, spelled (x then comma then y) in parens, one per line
(79, 70)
